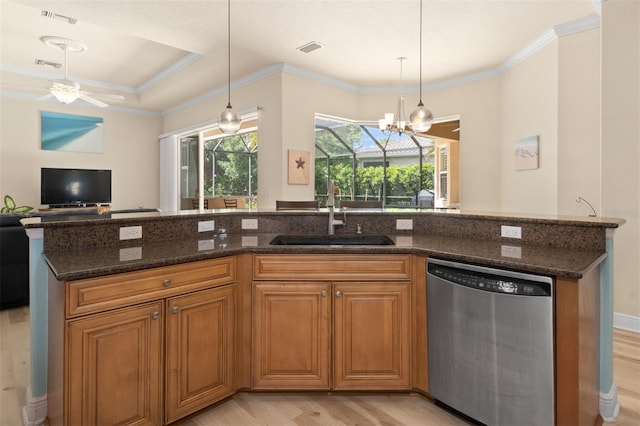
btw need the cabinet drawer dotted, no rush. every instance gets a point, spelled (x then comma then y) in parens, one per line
(331, 267)
(112, 291)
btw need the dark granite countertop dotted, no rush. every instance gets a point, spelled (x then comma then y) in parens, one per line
(69, 265)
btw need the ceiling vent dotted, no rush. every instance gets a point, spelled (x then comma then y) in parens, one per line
(48, 63)
(310, 47)
(52, 15)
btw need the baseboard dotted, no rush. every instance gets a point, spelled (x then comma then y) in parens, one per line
(35, 412)
(609, 405)
(626, 322)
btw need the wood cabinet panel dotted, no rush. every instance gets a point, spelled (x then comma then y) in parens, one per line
(372, 336)
(200, 346)
(291, 335)
(578, 350)
(114, 368)
(112, 291)
(328, 267)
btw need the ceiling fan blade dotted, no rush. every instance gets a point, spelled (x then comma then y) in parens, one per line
(92, 100)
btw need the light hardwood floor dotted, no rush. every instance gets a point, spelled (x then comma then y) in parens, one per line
(260, 409)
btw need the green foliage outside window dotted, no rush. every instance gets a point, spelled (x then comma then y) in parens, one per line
(232, 173)
(402, 181)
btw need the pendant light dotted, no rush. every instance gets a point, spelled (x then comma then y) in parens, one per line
(229, 121)
(420, 120)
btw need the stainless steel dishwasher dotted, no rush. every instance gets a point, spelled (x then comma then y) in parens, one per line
(490, 337)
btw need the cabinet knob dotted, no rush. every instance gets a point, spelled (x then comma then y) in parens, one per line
(175, 310)
(338, 293)
(323, 293)
(166, 282)
(155, 315)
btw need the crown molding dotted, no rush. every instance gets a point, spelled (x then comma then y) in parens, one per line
(584, 24)
(183, 63)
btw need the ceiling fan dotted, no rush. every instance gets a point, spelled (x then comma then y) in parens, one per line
(68, 91)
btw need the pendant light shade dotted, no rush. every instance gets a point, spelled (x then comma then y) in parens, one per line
(420, 119)
(229, 121)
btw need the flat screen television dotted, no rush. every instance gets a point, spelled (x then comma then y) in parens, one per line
(74, 187)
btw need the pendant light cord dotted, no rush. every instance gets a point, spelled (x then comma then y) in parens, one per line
(229, 52)
(420, 103)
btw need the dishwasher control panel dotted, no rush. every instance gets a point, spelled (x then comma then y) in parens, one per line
(489, 282)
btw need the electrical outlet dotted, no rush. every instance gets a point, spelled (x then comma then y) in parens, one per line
(511, 231)
(249, 241)
(404, 224)
(206, 225)
(130, 232)
(249, 223)
(130, 253)
(511, 251)
(209, 244)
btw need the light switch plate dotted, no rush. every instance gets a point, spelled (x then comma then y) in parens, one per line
(249, 223)
(404, 224)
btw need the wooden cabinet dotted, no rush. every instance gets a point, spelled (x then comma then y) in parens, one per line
(114, 367)
(352, 332)
(200, 350)
(291, 334)
(371, 336)
(145, 360)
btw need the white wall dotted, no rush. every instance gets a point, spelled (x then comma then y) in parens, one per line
(579, 124)
(529, 107)
(621, 144)
(130, 151)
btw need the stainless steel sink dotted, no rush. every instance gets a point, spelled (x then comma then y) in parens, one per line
(332, 240)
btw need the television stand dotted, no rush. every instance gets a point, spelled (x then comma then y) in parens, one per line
(70, 208)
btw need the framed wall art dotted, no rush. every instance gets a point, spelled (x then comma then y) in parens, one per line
(298, 165)
(70, 132)
(526, 153)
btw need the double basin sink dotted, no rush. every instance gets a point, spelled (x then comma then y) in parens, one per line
(332, 240)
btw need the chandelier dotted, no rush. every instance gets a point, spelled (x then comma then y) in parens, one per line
(397, 123)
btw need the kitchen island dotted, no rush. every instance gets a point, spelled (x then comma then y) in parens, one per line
(85, 258)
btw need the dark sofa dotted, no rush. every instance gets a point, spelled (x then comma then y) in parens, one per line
(14, 262)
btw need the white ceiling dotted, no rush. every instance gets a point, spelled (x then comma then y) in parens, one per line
(160, 54)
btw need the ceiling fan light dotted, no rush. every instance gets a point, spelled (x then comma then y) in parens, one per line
(229, 121)
(64, 97)
(420, 119)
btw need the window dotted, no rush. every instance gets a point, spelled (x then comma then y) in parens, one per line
(219, 166)
(443, 173)
(367, 164)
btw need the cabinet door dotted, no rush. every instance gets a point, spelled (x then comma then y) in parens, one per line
(114, 367)
(291, 335)
(200, 350)
(371, 336)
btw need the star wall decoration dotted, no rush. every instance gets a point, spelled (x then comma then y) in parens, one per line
(298, 173)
